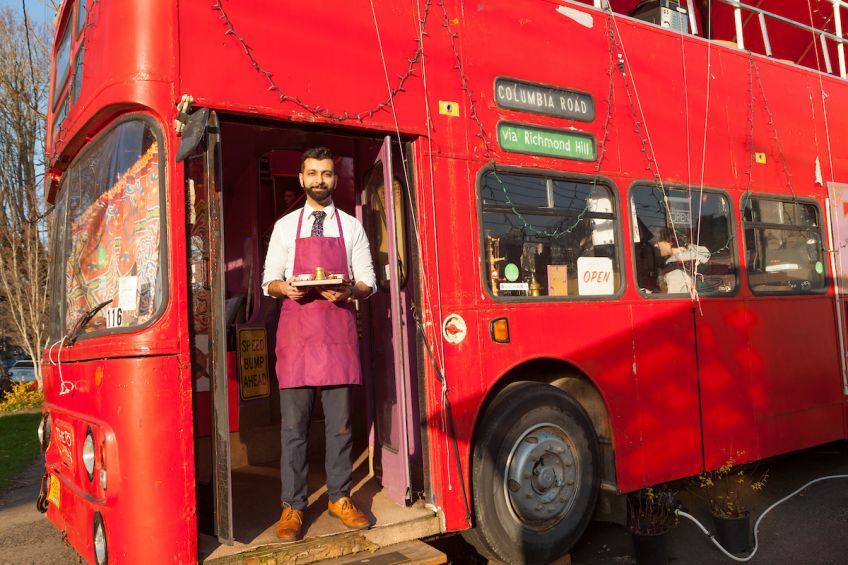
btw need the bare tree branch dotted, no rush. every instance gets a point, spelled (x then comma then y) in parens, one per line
(24, 261)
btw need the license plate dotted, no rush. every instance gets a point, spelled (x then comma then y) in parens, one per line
(54, 492)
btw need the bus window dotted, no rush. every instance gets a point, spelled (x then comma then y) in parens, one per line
(81, 13)
(76, 83)
(672, 252)
(109, 241)
(546, 236)
(783, 246)
(59, 118)
(62, 65)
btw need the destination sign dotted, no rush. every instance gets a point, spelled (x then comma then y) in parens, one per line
(541, 99)
(521, 138)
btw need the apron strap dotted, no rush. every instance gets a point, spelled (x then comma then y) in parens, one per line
(299, 223)
(339, 222)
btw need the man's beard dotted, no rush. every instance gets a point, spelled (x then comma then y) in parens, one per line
(320, 197)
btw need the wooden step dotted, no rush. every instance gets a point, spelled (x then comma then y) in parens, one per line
(256, 511)
(328, 547)
(409, 553)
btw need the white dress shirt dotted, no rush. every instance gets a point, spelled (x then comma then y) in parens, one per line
(279, 262)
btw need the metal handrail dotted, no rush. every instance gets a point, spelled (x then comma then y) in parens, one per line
(762, 15)
(822, 34)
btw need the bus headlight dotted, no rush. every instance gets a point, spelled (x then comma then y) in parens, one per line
(101, 555)
(44, 431)
(88, 454)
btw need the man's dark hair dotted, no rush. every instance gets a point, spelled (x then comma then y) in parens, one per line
(319, 153)
(670, 235)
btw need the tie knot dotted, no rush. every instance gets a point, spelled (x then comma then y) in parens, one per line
(319, 214)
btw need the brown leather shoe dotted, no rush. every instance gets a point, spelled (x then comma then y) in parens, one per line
(288, 528)
(344, 510)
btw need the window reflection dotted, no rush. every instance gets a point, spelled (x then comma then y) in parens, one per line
(378, 236)
(81, 13)
(76, 84)
(62, 65)
(783, 246)
(546, 236)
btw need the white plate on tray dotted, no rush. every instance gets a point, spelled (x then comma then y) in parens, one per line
(322, 282)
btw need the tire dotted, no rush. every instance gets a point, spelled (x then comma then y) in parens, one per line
(535, 474)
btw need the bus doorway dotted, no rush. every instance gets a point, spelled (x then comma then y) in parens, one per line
(258, 184)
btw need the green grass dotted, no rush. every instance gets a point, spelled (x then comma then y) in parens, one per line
(18, 444)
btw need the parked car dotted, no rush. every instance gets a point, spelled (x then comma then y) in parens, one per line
(23, 371)
(10, 358)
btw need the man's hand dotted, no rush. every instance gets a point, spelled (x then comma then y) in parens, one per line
(282, 289)
(336, 294)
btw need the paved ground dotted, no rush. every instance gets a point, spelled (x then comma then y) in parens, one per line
(809, 529)
(26, 537)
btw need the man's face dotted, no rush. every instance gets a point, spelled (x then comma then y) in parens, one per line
(318, 179)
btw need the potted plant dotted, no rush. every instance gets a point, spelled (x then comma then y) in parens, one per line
(727, 490)
(650, 514)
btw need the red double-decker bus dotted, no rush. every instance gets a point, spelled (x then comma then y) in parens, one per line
(608, 239)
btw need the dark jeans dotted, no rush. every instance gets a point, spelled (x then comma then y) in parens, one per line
(296, 409)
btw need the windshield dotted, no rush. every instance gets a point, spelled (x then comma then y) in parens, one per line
(106, 237)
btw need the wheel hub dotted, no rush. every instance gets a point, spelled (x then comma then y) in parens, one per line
(542, 476)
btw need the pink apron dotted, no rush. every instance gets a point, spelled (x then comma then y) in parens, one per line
(317, 339)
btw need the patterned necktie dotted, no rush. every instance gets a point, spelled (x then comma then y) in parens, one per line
(318, 224)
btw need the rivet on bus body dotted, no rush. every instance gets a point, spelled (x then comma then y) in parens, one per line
(569, 482)
(98, 376)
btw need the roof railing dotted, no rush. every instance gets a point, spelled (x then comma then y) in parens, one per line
(763, 17)
(822, 35)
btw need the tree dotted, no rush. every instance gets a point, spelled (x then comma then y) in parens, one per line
(24, 223)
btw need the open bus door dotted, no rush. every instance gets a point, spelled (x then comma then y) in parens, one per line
(200, 147)
(838, 235)
(389, 440)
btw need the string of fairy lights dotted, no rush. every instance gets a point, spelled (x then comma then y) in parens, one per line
(747, 199)
(616, 60)
(315, 109)
(487, 143)
(754, 71)
(571, 220)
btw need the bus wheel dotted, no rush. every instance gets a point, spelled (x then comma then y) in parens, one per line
(535, 474)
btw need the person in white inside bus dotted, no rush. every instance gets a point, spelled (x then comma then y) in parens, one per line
(677, 273)
(317, 348)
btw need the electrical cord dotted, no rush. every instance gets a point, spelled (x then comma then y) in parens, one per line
(757, 523)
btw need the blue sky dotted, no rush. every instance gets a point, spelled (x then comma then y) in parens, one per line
(36, 9)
